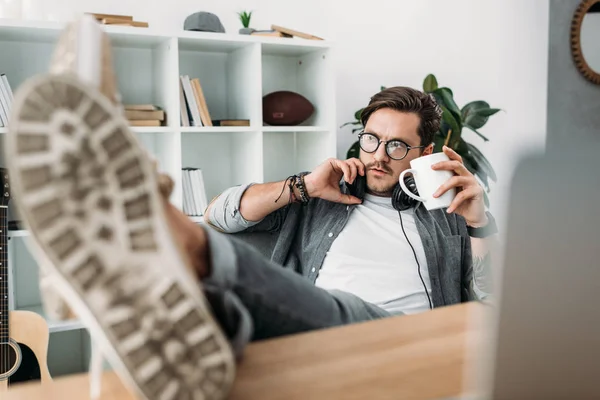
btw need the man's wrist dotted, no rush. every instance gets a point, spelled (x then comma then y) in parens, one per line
(480, 223)
(309, 185)
(297, 189)
(485, 230)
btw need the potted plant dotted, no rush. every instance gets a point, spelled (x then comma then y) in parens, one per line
(245, 19)
(472, 116)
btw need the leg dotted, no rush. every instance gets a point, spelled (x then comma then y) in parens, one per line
(87, 192)
(279, 300)
(242, 285)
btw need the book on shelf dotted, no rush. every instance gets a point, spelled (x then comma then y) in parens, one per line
(194, 192)
(141, 122)
(133, 115)
(116, 19)
(141, 107)
(145, 115)
(184, 110)
(271, 32)
(295, 33)
(231, 122)
(6, 99)
(194, 102)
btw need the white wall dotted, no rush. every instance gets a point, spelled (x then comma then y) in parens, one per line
(483, 49)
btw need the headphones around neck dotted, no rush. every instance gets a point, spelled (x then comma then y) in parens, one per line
(400, 200)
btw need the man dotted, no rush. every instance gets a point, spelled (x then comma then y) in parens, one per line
(170, 303)
(370, 260)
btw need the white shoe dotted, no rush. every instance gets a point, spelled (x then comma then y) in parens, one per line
(88, 193)
(83, 51)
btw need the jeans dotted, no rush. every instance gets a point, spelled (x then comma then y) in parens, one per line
(253, 298)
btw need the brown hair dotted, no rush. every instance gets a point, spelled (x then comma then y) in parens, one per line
(406, 99)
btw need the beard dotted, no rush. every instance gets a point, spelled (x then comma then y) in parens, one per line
(380, 185)
(382, 189)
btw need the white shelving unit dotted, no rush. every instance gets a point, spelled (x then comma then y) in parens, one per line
(235, 72)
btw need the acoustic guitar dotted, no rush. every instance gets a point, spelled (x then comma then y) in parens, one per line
(24, 335)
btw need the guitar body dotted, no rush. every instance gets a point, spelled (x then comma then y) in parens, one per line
(24, 335)
(24, 358)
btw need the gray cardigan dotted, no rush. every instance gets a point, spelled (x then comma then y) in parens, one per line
(298, 237)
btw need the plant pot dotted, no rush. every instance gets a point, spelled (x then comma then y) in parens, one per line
(246, 31)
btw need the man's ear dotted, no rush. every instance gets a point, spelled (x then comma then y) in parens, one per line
(428, 150)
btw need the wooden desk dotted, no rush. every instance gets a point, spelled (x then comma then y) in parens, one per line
(416, 357)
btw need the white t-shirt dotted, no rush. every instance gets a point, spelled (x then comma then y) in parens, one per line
(372, 259)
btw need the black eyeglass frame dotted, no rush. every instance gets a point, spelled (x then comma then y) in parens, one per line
(386, 142)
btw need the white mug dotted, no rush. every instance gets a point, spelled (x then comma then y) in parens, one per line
(428, 181)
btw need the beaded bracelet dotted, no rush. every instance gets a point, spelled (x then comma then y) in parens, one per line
(301, 188)
(296, 181)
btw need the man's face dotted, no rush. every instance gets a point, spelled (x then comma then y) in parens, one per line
(382, 171)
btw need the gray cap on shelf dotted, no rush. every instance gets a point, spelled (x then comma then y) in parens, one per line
(203, 21)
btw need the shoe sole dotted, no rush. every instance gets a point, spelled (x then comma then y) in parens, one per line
(88, 193)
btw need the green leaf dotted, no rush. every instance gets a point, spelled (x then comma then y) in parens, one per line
(476, 162)
(475, 169)
(445, 98)
(475, 130)
(438, 141)
(245, 18)
(350, 123)
(353, 151)
(383, 88)
(472, 106)
(482, 160)
(358, 113)
(430, 83)
(450, 121)
(488, 112)
(477, 113)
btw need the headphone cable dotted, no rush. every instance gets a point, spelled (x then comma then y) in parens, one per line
(417, 260)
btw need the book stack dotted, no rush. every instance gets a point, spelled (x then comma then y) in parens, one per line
(6, 99)
(280, 31)
(144, 115)
(194, 111)
(194, 192)
(123, 20)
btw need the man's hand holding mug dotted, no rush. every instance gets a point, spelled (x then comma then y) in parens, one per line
(443, 181)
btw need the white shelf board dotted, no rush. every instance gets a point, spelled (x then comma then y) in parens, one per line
(29, 31)
(211, 42)
(152, 129)
(55, 326)
(19, 233)
(127, 36)
(48, 32)
(290, 47)
(222, 42)
(212, 129)
(294, 129)
(136, 129)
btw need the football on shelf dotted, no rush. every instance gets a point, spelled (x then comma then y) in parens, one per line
(286, 108)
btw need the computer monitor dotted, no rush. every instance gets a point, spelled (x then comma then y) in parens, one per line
(543, 333)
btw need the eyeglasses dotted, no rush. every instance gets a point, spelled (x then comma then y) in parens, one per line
(396, 149)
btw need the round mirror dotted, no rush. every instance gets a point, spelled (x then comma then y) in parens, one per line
(585, 43)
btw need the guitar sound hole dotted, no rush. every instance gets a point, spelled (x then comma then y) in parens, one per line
(29, 369)
(8, 358)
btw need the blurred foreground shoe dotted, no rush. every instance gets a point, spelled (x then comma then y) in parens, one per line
(89, 195)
